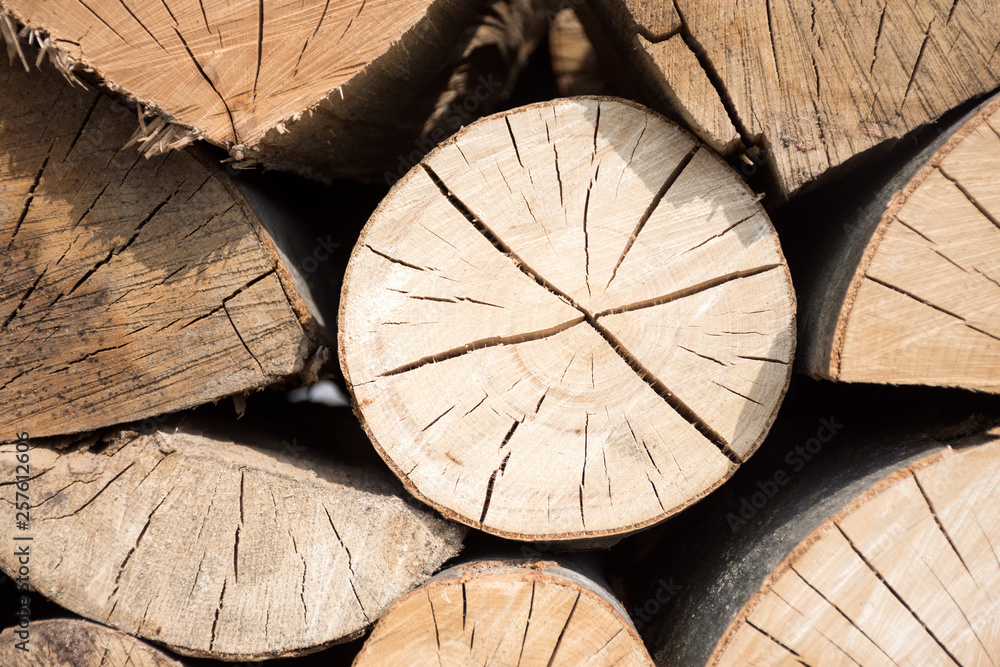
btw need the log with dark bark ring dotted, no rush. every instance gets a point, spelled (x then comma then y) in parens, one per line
(909, 292)
(884, 553)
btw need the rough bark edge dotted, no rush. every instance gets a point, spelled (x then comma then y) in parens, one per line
(402, 50)
(160, 136)
(586, 539)
(824, 328)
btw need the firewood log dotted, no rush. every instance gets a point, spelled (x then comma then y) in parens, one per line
(133, 287)
(75, 643)
(882, 553)
(221, 549)
(506, 612)
(572, 321)
(909, 294)
(324, 90)
(813, 84)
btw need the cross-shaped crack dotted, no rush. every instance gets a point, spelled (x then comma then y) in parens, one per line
(585, 317)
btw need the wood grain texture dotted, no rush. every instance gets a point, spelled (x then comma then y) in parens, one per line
(528, 315)
(906, 574)
(911, 297)
(506, 613)
(321, 88)
(75, 643)
(131, 287)
(814, 84)
(264, 556)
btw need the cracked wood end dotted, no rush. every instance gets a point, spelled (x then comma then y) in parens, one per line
(908, 573)
(911, 294)
(321, 88)
(131, 287)
(266, 557)
(570, 322)
(816, 83)
(474, 614)
(65, 641)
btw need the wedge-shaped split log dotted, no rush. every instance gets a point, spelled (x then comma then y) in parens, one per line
(130, 287)
(911, 293)
(886, 556)
(219, 549)
(65, 641)
(507, 612)
(815, 84)
(350, 87)
(571, 321)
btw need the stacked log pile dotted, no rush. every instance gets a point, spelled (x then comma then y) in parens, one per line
(550, 335)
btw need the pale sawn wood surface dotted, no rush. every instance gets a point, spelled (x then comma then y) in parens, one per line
(916, 299)
(219, 549)
(571, 321)
(906, 574)
(318, 87)
(506, 613)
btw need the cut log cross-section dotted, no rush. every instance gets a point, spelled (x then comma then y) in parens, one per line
(571, 322)
(131, 287)
(814, 83)
(266, 555)
(64, 641)
(912, 294)
(321, 88)
(906, 572)
(473, 614)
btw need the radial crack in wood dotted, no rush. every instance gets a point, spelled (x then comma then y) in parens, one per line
(131, 287)
(813, 83)
(325, 89)
(907, 573)
(474, 614)
(267, 556)
(572, 322)
(64, 641)
(868, 544)
(910, 295)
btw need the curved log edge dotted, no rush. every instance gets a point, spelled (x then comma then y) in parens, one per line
(666, 306)
(473, 612)
(324, 91)
(908, 296)
(267, 557)
(813, 84)
(64, 641)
